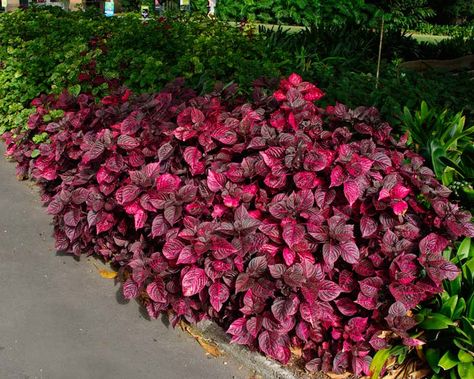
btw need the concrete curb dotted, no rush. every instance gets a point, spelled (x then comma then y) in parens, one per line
(252, 360)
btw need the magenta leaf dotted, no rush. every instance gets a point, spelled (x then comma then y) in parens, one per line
(219, 293)
(215, 181)
(283, 308)
(156, 290)
(130, 289)
(193, 281)
(167, 183)
(328, 290)
(293, 234)
(351, 191)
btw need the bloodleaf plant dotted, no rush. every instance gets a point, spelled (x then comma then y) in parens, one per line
(288, 224)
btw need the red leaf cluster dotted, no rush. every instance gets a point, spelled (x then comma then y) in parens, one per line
(288, 224)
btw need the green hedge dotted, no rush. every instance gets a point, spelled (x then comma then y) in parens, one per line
(44, 50)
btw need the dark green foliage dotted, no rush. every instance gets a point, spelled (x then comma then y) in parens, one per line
(299, 12)
(341, 59)
(448, 321)
(452, 11)
(466, 31)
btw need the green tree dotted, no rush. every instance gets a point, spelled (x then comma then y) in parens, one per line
(452, 11)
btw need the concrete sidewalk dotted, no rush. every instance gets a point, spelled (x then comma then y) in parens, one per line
(60, 320)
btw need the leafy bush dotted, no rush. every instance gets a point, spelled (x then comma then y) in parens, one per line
(448, 320)
(26, 71)
(144, 56)
(288, 224)
(300, 12)
(466, 31)
(446, 144)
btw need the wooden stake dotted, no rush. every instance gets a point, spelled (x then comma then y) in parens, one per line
(380, 54)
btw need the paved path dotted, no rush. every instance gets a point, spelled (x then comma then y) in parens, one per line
(60, 320)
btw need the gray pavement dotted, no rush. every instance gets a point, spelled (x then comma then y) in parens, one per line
(60, 320)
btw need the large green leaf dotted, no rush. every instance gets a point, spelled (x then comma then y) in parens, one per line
(464, 249)
(378, 362)
(436, 321)
(448, 360)
(432, 357)
(466, 370)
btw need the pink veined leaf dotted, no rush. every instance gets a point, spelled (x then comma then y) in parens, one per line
(96, 150)
(409, 295)
(156, 290)
(187, 256)
(127, 142)
(277, 270)
(274, 348)
(127, 194)
(371, 286)
(140, 218)
(105, 222)
(337, 176)
(399, 191)
(289, 256)
(433, 243)
(238, 327)
(349, 252)
(295, 79)
(292, 121)
(215, 181)
(293, 234)
(152, 170)
(397, 309)
(306, 180)
(55, 206)
(159, 226)
(218, 293)
(351, 191)
(130, 289)
(222, 248)
(304, 200)
(165, 151)
(346, 306)
(172, 214)
(331, 253)
(254, 324)
(367, 226)
(399, 207)
(168, 183)
(197, 116)
(172, 248)
(283, 308)
(193, 156)
(193, 281)
(275, 181)
(257, 266)
(225, 135)
(328, 290)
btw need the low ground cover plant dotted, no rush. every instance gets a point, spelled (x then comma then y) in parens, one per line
(289, 224)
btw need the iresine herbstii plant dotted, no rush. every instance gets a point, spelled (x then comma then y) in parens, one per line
(287, 224)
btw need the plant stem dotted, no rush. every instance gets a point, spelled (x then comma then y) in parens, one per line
(380, 54)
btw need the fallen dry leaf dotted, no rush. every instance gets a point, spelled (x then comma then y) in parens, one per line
(408, 370)
(209, 346)
(106, 274)
(296, 351)
(333, 375)
(420, 374)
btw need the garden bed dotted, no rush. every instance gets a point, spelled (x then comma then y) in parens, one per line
(299, 225)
